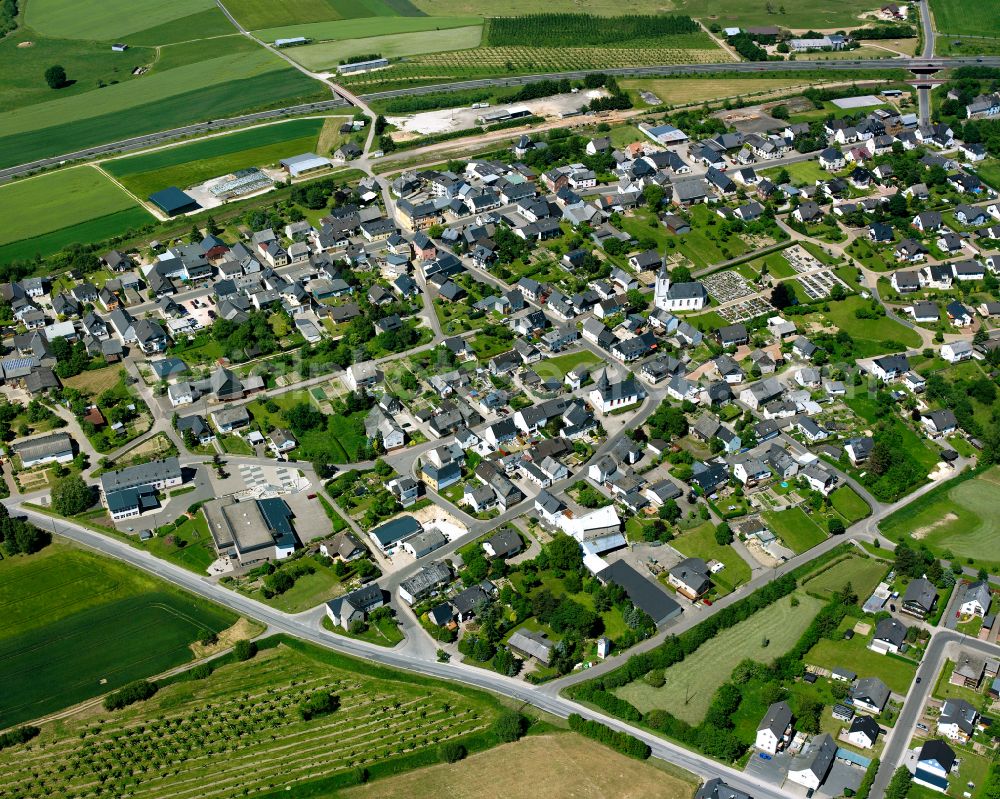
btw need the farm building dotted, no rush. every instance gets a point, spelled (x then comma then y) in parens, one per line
(301, 164)
(172, 201)
(53, 448)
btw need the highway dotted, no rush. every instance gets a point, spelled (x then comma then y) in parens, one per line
(923, 93)
(152, 139)
(307, 627)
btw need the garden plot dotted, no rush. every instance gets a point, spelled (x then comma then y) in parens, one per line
(820, 284)
(744, 311)
(801, 260)
(728, 286)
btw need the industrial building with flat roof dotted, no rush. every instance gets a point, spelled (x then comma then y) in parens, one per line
(172, 201)
(251, 531)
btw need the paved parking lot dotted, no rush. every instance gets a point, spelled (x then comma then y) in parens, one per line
(773, 771)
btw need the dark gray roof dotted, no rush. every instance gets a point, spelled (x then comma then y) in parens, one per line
(644, 594)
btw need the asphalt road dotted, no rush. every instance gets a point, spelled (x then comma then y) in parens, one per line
(689, 69)
(306, 626)
(152, 139)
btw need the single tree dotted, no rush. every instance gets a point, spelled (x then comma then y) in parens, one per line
(55, 76)
(71, 496)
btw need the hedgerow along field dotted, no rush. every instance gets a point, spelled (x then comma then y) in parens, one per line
(239, 731)
(188, 164)
(960, 517)
(691, 684)
(77, 625)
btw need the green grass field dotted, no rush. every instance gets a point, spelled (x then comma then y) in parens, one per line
(864, 574)
(366, 28)
(874, 331)
(78, 625)
(795, 529)
(561, 364)
(192, 82)
(99, 229)
(58, 200)
(802, 173)
(239, 731)
(699, 542)
(855, 655)
(961, 518)
(264, 14)
(193, 163)
(849, 505)
(328, 54)
(954, 16)
(692, 683)
(106, 20)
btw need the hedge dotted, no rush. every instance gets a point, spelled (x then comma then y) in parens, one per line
(137, 691)
(619, 741)
(18, 735)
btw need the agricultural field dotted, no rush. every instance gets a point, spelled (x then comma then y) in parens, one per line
(953, 16)
(960, 517)
(260, 14)
(77, 625)
(796, 530)
(692, 683)
(684, 91)
(849, 504)
(193, 81)
(104, 20)
(327, 55)
(188, 164)
(366, 28)
(540, 765)
(864, 574)
(240, 731)
(68, 205)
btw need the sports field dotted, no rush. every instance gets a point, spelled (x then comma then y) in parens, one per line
(77, 625)
(327, 55)
(106, 20)
(543, 765)
(239, 732)
(366, 27)
(57, 200)
(956, 16)
(692, 683)
(796, 530)
(188, 164)
(961, 518)
(864, 574)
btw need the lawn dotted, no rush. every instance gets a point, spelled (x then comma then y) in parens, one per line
(795, 529)
(776, 263)
(367, 27)
(327, 55)
(802, 173)
(854, 654)
(864, 574)
(239, 730)
(77, 625)
(953, 16)
(882, 334)
(189, 545)
(105, 20)
(692, 683)
(958, 516)
(539, 765)
(58, 200)
(96, 381)
(188, 164)
(561, 364)
(699, 542)
(849, 504)
(308, 591)
(703, 245)
(191, 82)
(989, 171)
